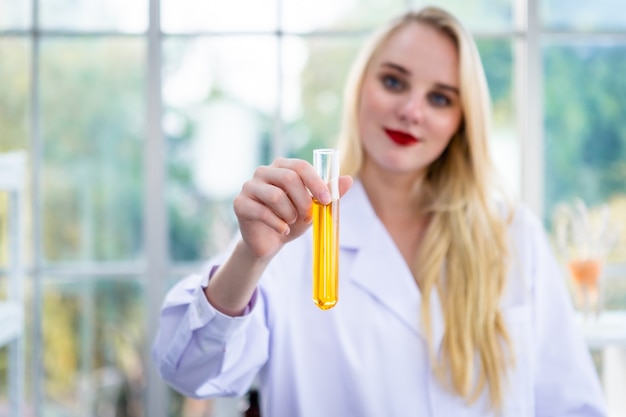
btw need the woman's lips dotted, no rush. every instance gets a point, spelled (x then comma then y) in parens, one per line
(401, 138)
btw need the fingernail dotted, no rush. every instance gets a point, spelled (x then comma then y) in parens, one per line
(324, 197)
(286, 232)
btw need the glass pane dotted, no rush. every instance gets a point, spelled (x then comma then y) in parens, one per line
(93, 347)
(4, 232)
(307, 16)
(14, 118)
(478, 15)
(4, 388)
(95, 15)
(14, 94)
(584, 15)
(4, 356)
(93, 116)
(219, 15)
(614, 282)
(314, 74)
(585, 130)
(220, 101)
(15, 14)
(5, 360)
(497, 58)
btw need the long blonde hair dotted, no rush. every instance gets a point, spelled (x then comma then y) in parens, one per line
(464, 253)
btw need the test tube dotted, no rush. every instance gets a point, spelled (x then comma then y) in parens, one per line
(326, 232)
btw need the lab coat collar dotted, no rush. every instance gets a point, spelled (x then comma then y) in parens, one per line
(380, 269)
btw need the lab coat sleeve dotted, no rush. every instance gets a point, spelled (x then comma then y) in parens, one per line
(203, 353)
(566, 382)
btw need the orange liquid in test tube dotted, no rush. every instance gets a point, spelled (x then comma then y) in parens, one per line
(586, 272)
(325, 254)
(326, 232)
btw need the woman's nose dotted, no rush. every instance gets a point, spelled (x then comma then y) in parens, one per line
(412, 109)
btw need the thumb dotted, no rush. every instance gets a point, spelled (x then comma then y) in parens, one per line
(345, 182)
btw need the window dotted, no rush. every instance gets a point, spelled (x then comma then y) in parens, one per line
(143, 118)
(584, 129)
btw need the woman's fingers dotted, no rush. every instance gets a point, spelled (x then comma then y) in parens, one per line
(251, 210)
(293, 191)
(279, 195)
(308, 177)
(299, 181)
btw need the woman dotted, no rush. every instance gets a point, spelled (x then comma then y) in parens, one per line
(451, 303)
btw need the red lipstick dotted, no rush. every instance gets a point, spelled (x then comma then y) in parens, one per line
(401, 138)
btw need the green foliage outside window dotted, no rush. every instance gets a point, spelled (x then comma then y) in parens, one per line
(585, 136)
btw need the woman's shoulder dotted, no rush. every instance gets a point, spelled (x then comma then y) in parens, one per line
(531, 247)
(524, 221)
(518, 216)
(527, 234)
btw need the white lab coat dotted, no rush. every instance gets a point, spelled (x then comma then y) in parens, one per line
(367, 357)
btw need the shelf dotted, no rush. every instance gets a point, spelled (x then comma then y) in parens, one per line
(10, 319)
(607, 330)
(12, 167)
(12, 179)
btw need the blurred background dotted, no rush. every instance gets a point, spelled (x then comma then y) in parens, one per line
(140, 119)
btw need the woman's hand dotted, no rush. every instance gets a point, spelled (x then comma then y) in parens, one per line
(274, 207)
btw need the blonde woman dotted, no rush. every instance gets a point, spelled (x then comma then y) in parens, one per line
(451, 302)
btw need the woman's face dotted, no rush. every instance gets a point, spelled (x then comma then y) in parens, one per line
(410, 106)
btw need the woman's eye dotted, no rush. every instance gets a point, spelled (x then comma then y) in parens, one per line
(438, 99)
(392, 83)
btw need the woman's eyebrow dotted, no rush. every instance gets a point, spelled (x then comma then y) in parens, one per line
(448, 88)
(396, 67)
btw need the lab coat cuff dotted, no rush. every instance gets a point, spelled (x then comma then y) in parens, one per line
(222, 326)
(249, 307)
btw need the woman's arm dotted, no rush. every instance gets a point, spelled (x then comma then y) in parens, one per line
(202, 352)
(212, 339)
